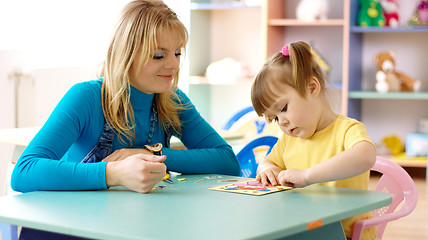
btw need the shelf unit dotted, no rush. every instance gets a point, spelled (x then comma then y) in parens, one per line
(279, 22)
(356, 92)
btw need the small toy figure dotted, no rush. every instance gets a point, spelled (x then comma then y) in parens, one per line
(370, 14)
(310, 10)
(390, 8)
(389, 80)
(423, 12)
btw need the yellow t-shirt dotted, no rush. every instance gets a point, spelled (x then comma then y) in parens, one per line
(297, 153)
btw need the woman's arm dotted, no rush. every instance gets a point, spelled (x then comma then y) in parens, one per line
(207, 151)
(44, 165)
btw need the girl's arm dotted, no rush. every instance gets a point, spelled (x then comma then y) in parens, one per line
(351, 162)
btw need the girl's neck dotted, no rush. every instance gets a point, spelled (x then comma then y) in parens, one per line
(327, 115)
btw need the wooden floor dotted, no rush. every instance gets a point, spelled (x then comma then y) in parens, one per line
(415, 225)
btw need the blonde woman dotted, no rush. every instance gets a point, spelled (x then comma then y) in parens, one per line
(96, 136)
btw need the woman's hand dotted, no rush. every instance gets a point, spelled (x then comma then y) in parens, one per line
(293, 178)
(268, 176)
(138, 172)
(123, 153)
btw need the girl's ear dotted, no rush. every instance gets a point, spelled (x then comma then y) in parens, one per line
(314, 87)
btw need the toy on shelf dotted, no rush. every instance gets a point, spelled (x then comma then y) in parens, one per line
(310, 10)
(416, 145)
(393, 145)
(227, 71)
(370, 14)
(390, 12)
(423, 12)
(388, 79)
(321, 61)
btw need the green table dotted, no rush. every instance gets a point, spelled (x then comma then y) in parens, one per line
(188, 210)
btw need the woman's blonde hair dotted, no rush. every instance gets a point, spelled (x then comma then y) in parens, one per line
(296, 70)
(139, 25)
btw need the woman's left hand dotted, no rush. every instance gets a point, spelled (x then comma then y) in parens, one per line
(293, 178)
(123, 153)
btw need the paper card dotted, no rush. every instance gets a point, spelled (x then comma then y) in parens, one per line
(251, 187)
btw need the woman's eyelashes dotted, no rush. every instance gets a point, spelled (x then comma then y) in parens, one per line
(161, 55)
(158, 56)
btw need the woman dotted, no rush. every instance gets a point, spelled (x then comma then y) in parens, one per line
(135, 103)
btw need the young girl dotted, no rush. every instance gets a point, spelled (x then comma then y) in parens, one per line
(319, 146)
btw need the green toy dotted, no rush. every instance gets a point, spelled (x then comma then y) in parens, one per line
(370, 14)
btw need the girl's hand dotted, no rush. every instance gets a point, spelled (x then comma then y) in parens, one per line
(138, 172)
(268, 176)
(123, 153)
(293, 178)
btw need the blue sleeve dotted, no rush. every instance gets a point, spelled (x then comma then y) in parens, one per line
(207, 151)
(43, 166)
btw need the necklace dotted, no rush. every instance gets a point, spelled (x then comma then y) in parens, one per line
(153, 120)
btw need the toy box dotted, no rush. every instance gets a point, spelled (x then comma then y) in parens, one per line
(417, 145)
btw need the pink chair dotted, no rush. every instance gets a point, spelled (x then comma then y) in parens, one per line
(396, 181)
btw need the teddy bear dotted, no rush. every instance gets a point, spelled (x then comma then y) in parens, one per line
(370, 14)
(388, 79)
(390, 8)
(310, 10)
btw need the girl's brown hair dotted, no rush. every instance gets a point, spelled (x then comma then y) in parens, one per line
(139, 25)
(295, 70)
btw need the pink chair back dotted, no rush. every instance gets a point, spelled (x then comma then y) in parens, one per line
(396, 181)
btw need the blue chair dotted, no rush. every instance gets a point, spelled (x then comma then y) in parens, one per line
(236, 117)
(8, 232)
(247, 157)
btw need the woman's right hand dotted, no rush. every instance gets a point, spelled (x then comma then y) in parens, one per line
(138, 172)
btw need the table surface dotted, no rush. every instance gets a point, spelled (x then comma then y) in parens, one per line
(186, 210)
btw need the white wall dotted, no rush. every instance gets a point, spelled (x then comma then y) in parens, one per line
(55, 43)
(8, 60)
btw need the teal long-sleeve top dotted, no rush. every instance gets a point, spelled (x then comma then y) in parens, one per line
(52, 159)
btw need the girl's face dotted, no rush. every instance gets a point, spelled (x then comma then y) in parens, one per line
(296, 116)
(157, 76)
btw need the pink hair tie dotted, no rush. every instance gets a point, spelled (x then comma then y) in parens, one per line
(285, 50)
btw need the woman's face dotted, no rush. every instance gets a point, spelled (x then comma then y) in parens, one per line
(157, 76)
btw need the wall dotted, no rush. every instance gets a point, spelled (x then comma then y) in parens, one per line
(55, 44)
(9, 60)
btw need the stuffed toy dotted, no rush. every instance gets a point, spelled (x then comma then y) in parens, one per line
(390, 8)
(227, 71)
(389, 80)
(370, 14)
(310, 10)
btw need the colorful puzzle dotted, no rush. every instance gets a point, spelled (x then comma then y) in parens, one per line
(250, 187)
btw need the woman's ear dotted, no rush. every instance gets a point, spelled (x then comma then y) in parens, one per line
(314, 87)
